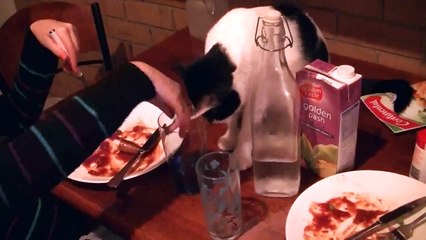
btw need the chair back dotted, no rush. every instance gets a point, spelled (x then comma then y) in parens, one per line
(86, 18)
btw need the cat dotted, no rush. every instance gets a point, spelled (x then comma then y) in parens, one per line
(218, 82)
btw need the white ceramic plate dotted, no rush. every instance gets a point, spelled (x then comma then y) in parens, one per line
(394, 189)
(145, 114)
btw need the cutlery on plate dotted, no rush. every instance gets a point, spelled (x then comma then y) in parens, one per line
(149, 144)
(405, 231)
(390, 217)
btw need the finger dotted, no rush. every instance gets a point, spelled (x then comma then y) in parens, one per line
(173, 126)
(65, 36)
(74, 37)
(56, 48)
(183, 126)
(67, 67)
(183, 118)
(183, 130)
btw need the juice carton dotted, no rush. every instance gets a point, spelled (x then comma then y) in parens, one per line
(329, 116)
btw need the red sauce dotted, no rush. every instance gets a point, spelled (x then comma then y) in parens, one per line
(116, 134)
(137, 132)
(367, 217)
(100, 157)
(322, 221)
(122, 156)
(329, 211)
(98, 172)
(149, 158)
(98, 164)
(327, 216)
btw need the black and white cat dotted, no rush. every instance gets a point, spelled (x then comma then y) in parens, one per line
(218, 83)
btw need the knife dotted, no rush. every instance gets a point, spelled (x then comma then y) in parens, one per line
(389, 217)
(148, 145)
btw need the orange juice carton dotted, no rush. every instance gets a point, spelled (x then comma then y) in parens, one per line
(330, 99)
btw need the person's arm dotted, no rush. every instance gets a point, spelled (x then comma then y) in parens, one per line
(37, 68)
(24, 103)
(171, 94)
(66, 134)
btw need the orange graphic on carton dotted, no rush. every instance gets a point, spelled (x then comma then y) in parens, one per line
(312, 91)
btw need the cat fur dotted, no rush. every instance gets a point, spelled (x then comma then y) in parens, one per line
(218, 83)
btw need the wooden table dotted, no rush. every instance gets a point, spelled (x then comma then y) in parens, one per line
(148, 207)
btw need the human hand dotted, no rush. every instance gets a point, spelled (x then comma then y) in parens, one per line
(171, 94)
(66, 45)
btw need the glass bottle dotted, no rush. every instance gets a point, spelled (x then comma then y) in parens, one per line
(418, 163)
(275, 114)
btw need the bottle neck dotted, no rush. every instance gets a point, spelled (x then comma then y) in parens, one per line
(275, 39)
(271, 39)
(274, 34)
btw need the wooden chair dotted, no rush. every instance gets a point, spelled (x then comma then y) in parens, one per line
(86, 18)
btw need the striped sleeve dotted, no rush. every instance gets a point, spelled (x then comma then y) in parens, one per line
(67, 133)
(24, 103)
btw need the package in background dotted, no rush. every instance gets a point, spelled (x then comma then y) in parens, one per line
(329, 116)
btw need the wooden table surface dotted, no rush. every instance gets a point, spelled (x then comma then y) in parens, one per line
(147, 207)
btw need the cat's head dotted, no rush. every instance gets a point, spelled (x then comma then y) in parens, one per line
(208, 82)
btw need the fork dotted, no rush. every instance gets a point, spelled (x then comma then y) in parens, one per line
(405, 231)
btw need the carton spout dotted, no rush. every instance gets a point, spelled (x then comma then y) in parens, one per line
(339, 77)
(344, 72)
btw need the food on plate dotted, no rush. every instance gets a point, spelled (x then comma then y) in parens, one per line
(108, 159)
(342, 216)
(128, 146)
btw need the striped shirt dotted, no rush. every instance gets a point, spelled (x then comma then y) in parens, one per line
(51, 148)
(22, 105)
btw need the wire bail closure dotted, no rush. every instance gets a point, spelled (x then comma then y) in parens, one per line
(261, 40)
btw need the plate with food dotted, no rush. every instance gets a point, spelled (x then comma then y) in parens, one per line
(338, 206)
(116, 150)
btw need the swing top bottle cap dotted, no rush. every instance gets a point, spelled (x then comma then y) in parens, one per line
(272, 16)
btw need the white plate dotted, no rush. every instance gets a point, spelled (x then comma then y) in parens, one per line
(145, 114)
(394, 189)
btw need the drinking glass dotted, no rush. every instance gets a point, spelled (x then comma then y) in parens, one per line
(183, 152)
(219, 181)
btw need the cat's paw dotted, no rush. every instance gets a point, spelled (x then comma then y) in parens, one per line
(226, 143)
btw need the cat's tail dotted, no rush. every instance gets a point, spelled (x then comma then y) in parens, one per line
(400, 87)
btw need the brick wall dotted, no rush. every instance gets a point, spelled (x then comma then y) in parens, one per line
(388, 32)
